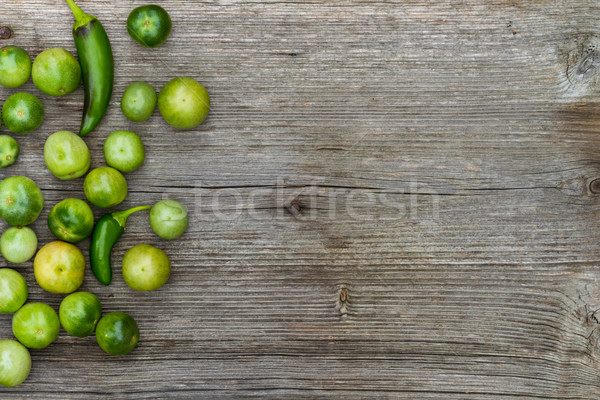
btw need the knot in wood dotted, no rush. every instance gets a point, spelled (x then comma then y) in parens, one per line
(343, 295)
(582, 66)
(595, 186)
(295, 207)
(588, 63)
(342, 302)
(5, 32)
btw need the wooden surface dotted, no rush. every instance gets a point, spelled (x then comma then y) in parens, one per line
(388, 200)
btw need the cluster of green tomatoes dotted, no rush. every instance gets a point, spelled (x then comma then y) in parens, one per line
(59, 266)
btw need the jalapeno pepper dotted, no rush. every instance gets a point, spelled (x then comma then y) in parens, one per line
(107, 231)
(97, 67)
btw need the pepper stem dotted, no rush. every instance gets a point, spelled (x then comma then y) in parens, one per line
(121, 216)
(77, 13)
(81, 18)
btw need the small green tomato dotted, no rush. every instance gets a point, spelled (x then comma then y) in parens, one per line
(117, 333)
(168, 219)
(184, 103)
(18, 244)
(105, 187)
(79, 313)
(56, 72)
(124, 150)
(9, 151)
(21, 200)
(22, 112)
(13, 291)
(138, 101)
(146, 267)
(71, 220)
(36, 325)
(66, 155)
(149, 25)
(15, 66)
(15, 363)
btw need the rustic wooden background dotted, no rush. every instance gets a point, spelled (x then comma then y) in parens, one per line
(389, 199)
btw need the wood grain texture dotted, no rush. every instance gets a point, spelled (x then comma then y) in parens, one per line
(389, 199)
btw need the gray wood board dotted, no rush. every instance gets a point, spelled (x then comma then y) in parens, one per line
(388, 200)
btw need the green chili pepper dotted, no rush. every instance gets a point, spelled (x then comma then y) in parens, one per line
(107, 231)
(97, 67)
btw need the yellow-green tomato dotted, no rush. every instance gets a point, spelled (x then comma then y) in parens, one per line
(105, 187)
(71, 220)
(124, 150)
(13, 291)
(184, 103)
(146, 267)
(59, 267)
(56, 72)
(66, 155)
(15, 363)
(168, 219)
(18, 244)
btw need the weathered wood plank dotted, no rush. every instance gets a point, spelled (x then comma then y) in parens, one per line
(388, 200)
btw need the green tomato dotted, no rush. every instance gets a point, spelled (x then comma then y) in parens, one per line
(59, 267)
(168, 219)
(117, 333)
(13, 291)
(105, 187)
(71, 220)
(15, 363)
(146, 268)
(56, 72)
(21, 200)
(124, 150)
(183, 103)
(149, 25)
(138, 101)
(15, 66)
(79, 313)
(36, 325)
(22, 112)
(66, 155)
(18, 244)
(9, 151)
